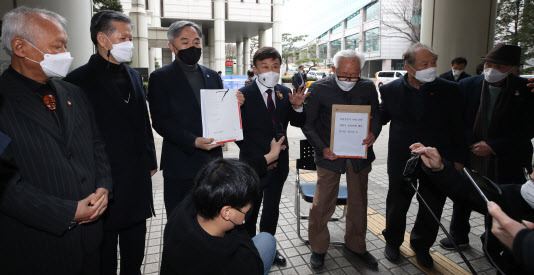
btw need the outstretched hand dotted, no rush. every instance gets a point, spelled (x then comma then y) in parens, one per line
(297, 97)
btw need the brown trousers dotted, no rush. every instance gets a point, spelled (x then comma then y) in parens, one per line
(324, 205)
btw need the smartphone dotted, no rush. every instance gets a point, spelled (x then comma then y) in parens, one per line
(484, 186)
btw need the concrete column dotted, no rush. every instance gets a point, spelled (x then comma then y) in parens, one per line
(262, 38)
(219, 19)
(328, 46)
(386, 64)
(239, 57)
(246, 55)
(202, 39)
(155, 7)
(441, 33)
(140, 34)
(211, 43)
(343, 27)
(78, 14)
(151, 60)
(277, 22)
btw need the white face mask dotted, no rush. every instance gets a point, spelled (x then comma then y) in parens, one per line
(54, 65)
(426, 75)
(457, 72)
(269, 79)
(345, 85)
(123, 51)
(527, 192)
(494, 75)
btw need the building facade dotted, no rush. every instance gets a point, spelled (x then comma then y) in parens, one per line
(372, 27)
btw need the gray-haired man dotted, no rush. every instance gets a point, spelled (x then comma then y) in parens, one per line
(174, 97)
(346, 87)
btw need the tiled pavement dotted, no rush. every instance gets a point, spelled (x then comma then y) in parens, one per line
(337, 262)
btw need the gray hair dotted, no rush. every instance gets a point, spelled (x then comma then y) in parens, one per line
(175, 29)
(15, 23)
(409, 55)
(349, 54)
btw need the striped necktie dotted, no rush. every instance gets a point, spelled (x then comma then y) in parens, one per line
(270, 105)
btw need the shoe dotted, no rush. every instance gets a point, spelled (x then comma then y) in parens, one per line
(366, 257)
(445, 243)
(424, 259)
(279, 259)
(317, 260)
(392, 253)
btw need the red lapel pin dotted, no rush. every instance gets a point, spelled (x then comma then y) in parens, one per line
(68, 102)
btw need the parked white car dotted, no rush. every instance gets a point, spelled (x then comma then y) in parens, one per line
(384, 77)
(316, 74)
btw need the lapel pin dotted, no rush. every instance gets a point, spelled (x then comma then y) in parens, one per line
(517, 93)
(68, 102)
(208, 75)
(279, 94)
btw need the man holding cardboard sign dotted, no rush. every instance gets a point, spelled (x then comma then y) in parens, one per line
(336, 112)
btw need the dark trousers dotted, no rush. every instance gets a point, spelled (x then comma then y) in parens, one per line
(132, 249)
(271, 187)
(175, 191)
(398, 202)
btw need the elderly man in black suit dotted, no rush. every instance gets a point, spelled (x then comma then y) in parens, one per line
(499, 128)
(116, 93)
(49, 215)
(421, 108)
(457, 71)
(268, 110)
(345, 88)
(174, 97)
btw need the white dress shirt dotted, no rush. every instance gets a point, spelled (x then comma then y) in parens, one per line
(265, 95)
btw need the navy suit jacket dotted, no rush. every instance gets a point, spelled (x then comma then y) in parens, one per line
(511, 129)
(258, 130)
(127, 133)
(176, 116)
(431, 115)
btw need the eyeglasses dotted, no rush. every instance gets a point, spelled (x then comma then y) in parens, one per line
(348, 78)
(244, 214)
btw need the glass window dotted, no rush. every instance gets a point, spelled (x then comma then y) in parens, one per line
(336, 28)
(371, 40)
(372, 12)
(352, 42)
(386, 74)
(322, 51)
(322, 35)
(354, 20)
(335, 46)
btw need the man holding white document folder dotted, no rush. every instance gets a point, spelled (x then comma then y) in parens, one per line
(345, 87)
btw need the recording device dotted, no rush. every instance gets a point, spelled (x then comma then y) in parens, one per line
(412, 168)
(484, 186)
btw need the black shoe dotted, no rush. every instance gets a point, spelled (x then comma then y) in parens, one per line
(317, 260)
(366, 257)
(279, 259)
(445, 243)
(424, 259)
(392, 253)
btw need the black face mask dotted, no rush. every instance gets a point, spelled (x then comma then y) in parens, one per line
(189, 56)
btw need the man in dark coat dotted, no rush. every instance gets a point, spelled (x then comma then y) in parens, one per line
(268, 109)
(116, 93)
(421, 108)
(499, 131)
(299, 78)
(174, 97)
(49, 212)
(345, 88)
(457, 71)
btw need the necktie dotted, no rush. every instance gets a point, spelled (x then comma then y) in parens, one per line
(270, 105)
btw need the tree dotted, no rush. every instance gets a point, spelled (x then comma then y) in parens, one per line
(102, 5)
(254, 46)
(403, 19)
(230, 51)
(514, 26)
(314, 61)
(312, 50)
(288, 46)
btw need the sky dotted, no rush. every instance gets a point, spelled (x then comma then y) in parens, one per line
(313, 17)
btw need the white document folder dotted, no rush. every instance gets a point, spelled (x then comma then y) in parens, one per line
(221, 115)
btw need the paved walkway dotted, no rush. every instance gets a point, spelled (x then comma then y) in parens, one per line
(337, 262)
